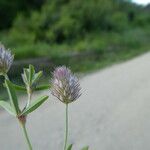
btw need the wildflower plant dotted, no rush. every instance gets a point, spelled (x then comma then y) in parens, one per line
(64, 85)
(30, 78)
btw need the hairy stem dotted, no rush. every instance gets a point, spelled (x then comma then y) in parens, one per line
(66, 132)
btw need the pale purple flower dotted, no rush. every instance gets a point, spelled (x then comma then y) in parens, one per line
(6, 59)
(65, 85)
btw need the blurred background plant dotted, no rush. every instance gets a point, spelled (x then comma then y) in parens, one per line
(86, 35)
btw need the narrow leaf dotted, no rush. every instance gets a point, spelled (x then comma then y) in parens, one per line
(85, 148)
(35, 105)
(7, 107)
(19, 88)
(12, 96)
(37, 77)
(42, 87)
(70, 147)
(26, 71)
(25, 76)
(31, 73)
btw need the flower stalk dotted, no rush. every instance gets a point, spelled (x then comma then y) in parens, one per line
(6, 76)
(66, 130)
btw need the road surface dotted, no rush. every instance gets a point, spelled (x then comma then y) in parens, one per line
(113, 113)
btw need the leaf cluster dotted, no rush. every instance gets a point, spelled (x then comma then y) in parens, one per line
(30, 78)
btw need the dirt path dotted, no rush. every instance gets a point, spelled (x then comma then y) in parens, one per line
(112, 114)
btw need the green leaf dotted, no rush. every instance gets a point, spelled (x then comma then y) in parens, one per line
(31, 73)
(19, 88)
(12, 96)
(7, 107)
(85, 148)
(35, 105)
(37, 77)
(25, 76)
(42, 87)
(70, 147)
(30, 77)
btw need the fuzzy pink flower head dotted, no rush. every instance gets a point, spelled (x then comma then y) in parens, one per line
(6, 60)
(65, 85)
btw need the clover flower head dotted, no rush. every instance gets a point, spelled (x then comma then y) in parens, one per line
(6, 59)
(65, 85)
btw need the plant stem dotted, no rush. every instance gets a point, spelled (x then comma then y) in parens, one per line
(29, 96)
(6, 76)
(26, 136)
(66, 132)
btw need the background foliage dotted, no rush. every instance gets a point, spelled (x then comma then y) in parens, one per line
(85, 34)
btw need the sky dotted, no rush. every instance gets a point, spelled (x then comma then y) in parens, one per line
(143, 2)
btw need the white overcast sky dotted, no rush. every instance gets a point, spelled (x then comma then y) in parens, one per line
(144, 2)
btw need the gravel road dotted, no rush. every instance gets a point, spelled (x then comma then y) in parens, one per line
(112, 114)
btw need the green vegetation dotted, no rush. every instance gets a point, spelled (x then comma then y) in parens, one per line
(84, 34)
